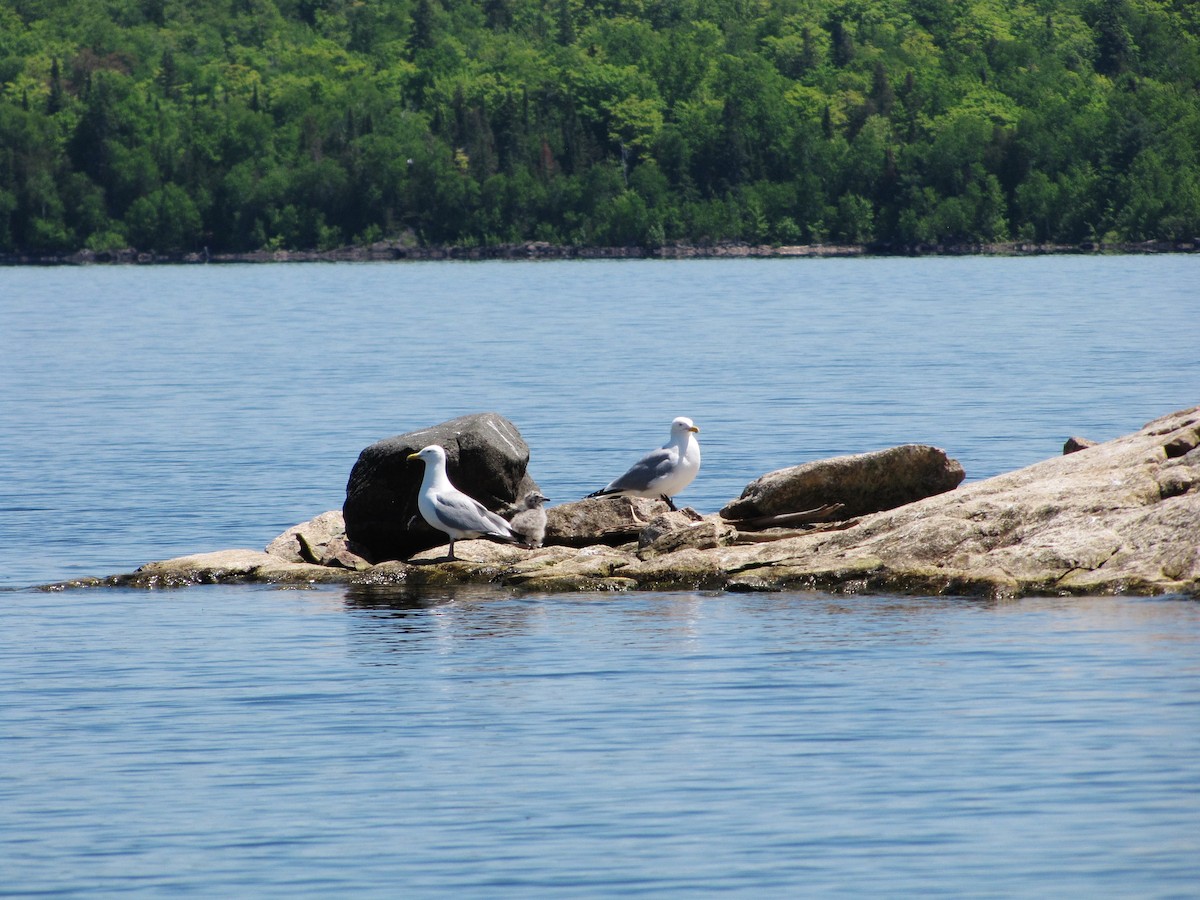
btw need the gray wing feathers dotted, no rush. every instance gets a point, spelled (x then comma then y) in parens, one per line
(465, 514)
(644, 472)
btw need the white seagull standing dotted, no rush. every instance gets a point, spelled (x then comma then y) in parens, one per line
(662, 473)
(451, 511)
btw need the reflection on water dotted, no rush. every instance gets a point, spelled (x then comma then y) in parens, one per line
(402, 597)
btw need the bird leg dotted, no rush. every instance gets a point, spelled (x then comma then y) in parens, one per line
(633, 513)
(670, 503)
(451, 555)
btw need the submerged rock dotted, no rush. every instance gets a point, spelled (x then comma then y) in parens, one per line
(486, 457)
(1124, 517)
(860, 484)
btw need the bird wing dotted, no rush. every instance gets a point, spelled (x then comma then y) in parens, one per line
(642, 475)
(463, 513)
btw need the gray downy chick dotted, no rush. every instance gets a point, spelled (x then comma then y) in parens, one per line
(529, 523)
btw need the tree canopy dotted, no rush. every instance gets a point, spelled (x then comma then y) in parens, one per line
(245, 124)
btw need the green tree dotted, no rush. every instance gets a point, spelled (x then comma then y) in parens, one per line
(307, 123)
(1114, 44)
(164, 220)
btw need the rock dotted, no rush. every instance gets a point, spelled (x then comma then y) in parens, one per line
(1121, 518)
(809, 517)
(703, 535)
(557, 569)
(475, 562)
(280, 572)
(1075, 444)
(1095, 522)
(602, 520)
(200, 568)
(485, 457)
(320, 541)
(685, 569)
(307, 541)
(225, 566)
(666, 523)
(1178, 476)
(338, 552)
(862, 484)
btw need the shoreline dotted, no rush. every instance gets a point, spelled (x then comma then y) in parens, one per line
(405, 251)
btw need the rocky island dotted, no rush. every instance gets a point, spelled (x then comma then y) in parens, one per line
(1116, 517)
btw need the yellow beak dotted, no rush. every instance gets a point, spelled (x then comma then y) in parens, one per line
(695, 429)
(413, 456)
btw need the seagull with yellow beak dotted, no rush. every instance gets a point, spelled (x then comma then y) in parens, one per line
(449, 510)
(662, 473)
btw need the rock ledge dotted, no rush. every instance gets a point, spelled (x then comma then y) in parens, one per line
(1121, 517)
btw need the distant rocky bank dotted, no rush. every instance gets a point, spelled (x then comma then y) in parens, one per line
(400, 250)
(1116, 517)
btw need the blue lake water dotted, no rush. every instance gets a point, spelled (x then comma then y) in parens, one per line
(247, 741)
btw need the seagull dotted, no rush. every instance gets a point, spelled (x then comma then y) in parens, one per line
(530, 521)
(662, 473)
(451, 511)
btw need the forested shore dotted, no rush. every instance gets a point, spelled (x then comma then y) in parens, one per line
(246, 130)
(387, 251)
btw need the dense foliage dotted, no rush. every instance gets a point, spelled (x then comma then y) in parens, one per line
(241, 124)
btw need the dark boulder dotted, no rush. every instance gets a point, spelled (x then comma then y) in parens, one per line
(486, 457)
(863, 483)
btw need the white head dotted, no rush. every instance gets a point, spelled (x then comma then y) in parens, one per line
(681, 427)
(433, 455)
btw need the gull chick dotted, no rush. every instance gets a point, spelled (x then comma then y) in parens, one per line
(662, 473)
(529, 524)
(451, 511)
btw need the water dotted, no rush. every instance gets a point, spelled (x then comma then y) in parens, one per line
(248, 741)
(150, 413)
(252, 742)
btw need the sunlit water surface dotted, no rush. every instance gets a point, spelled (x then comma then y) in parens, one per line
(245, 741)
(242, 742)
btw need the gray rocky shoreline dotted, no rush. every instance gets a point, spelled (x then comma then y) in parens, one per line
(1119, 517)
(406, 249)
